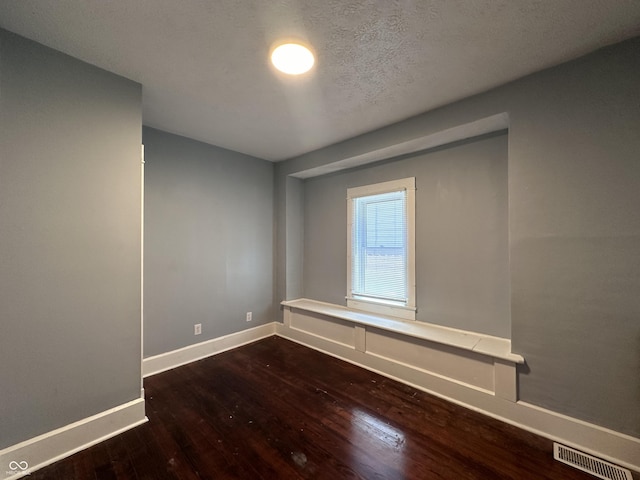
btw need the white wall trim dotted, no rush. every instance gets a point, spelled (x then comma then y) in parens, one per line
(607, 444)
(141, 263)
(62, 442)
(50, 447)
(191, 353)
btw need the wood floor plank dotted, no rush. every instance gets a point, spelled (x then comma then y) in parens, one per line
(277, 410)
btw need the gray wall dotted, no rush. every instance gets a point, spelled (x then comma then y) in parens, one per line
(462, 264)
(295, 236)
(574, 227)
(208, 241)
(70, 139)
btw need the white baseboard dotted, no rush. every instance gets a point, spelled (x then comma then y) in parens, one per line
(23, 458)
(607, 444)
(45, 449)
(191, 353)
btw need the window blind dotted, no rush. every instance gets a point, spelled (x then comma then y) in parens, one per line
(379, 246)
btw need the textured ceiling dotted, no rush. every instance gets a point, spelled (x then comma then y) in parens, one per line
(205, 74)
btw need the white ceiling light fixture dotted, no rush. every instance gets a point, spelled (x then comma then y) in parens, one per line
(292, 58)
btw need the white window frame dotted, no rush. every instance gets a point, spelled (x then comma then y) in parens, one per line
(408, 310)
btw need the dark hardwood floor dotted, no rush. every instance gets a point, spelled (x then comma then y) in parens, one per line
(278, 410)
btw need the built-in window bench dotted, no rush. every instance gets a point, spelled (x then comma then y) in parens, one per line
(418, 353)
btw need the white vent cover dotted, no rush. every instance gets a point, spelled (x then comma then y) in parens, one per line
(590, 464)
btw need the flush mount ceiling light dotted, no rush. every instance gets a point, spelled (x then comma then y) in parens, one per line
(292, 58)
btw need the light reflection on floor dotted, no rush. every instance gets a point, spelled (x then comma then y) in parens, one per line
(373, 437)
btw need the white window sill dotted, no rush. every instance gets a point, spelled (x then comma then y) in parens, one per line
(380, 309)
(495, 347)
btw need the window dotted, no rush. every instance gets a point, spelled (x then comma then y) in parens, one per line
(381, 248)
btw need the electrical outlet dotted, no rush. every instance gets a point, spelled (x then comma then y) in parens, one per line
(249, 316)
(197, 329)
